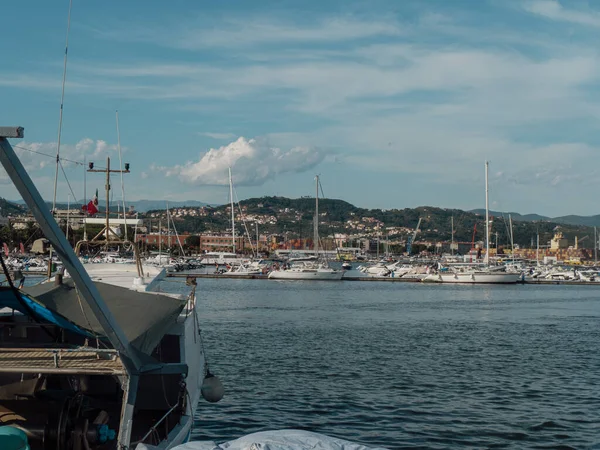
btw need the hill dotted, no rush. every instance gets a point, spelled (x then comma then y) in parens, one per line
(10, 208)
(588, 221)
(294, 217)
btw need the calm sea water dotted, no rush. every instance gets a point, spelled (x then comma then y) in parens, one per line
(404, 365)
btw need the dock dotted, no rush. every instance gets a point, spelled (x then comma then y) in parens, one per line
(371, 279)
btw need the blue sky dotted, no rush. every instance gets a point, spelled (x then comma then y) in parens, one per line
(395, 103)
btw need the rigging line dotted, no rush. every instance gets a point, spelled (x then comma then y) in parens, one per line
(321, 186)
(121, 165)
(244, 222)
(68, 183)
(50, 156)
(62, 101)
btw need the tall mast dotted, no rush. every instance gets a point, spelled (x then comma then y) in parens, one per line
(62, 101)
(168, 228)
(232, 213)
(107, 199)
(122, 184)
(537, 248)
(256, 223)
(512, 240)
(159, 240)
(316, 221)
(487, 216)
(595, 245)
(452, 237)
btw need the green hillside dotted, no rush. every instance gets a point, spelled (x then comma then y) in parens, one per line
(9, 208)
(295, 216)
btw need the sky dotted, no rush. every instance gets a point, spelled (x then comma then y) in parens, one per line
(394, 103)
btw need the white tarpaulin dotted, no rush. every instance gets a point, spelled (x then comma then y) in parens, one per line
(279, 440)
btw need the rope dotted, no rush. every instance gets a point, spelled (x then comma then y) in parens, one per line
(49, 155)
(244, 222)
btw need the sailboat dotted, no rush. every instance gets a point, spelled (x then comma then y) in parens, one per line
(309, 270)
(95, 360)
(479, 275)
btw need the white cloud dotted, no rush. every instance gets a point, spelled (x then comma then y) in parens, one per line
(252, 161)
(552, 9)
(219, 136)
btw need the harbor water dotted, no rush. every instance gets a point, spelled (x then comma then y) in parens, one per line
(403, 365)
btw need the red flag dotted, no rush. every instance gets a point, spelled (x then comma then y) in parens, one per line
(91, 208)
(21, 247)
(6, 249)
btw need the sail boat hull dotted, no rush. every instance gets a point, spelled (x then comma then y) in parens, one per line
(483, 277)
(307, 274)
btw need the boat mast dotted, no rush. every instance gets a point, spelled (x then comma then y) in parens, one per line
(122, 183)
(62, 101)
(159, 240)
(487, 216)
(537, 248)
(452, 237)
(256, 223)
(232, 213)
(107, 199)
(168, 229)
(316, 220)
(595, 245)
(512, 241)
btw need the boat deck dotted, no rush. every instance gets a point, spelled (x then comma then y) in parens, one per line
(61, 361)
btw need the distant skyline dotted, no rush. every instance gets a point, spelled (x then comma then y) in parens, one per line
(394, 104)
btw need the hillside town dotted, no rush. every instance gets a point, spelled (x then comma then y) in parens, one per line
(266, 225)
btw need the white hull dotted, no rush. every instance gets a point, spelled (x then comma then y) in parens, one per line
(480, 278)
(306, 274)
(234, 273)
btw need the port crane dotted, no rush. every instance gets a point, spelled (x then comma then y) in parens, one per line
(411, 239)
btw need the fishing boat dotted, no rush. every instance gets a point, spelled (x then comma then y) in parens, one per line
(308, 270)
(95, 360)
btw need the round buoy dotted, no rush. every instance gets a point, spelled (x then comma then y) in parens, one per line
(212, 389)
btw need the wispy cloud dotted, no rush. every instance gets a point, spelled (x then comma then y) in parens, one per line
(250, 31)
(253, 161)
(218, 136)
(552, 9)
(36, 156)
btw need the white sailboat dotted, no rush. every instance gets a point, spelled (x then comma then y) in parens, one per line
(308, 270)
(484, 274)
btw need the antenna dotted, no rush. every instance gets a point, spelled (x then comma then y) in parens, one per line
(62, 100)
(108, 171)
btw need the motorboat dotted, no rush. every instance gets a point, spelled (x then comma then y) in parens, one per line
(247, 268)
(220, 258)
